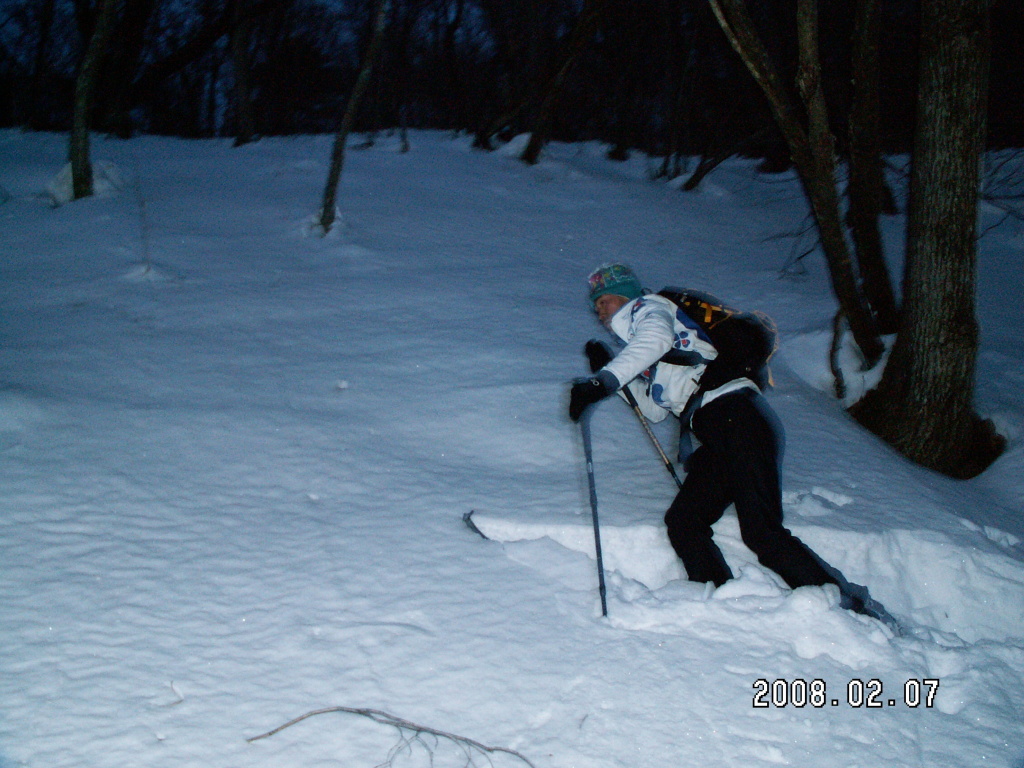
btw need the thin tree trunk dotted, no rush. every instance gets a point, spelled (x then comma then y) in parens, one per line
(923, 405)
(81, 166)
(123, 62)
(582, 32)
(362, 82)
(867, 182)
(671, 166)
(811, 152)
(40, 66)
(150, 79)
(453, 78)
(245, 118)
(210, 124)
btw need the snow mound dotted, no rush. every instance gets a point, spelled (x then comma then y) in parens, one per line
(514, 146)
(107, 180)
(930, 579)
(754, 603)
(807, 354)
(805, 620)
(925, 578)
(148, 272)
(1002, 538)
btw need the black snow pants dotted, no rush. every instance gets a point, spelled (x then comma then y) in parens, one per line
(737, 462)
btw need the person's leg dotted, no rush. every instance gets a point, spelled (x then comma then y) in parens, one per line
(698, 505)
(746, 443)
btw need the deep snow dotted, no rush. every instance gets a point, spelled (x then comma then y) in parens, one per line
(235, 457)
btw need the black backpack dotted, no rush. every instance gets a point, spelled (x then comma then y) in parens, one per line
(745, 341)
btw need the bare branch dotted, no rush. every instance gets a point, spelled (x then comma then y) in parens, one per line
(409, 733)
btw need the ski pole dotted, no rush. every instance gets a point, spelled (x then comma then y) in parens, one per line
(589, 454)
(631, 399)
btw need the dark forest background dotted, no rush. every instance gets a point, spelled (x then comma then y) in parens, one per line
(651, 75)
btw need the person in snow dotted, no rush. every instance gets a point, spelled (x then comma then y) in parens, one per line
(737, 461)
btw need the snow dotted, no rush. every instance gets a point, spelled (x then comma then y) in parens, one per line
(235, 457)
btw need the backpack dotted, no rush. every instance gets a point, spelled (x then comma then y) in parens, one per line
(745, 341)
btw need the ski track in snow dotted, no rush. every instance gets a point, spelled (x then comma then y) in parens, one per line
(234, 456)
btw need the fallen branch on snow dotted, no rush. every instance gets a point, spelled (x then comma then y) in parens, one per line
(409, 733)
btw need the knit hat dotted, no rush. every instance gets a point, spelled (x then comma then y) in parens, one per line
(617, 279)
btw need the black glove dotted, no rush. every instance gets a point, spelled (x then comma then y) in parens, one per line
(598, 354)
(586, 392)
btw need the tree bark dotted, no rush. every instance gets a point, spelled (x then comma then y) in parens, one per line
(867, 181)
(923, 404)
(85, 84)
(351, 109)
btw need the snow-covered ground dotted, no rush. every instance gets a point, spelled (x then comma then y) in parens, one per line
(235, 457)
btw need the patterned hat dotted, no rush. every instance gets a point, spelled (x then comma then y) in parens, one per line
(617, 279)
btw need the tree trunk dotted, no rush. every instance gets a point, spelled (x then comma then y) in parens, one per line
(820, 180)
(85, 84)
(206, 35)
(40, 65)
(351, 109)
(245, 117)
(520, 33)
(812, 152)
(581, 34)
(210, 123)
(679, 115)
(454, 96)
(867, 182)
(923, 405)
(122, 64)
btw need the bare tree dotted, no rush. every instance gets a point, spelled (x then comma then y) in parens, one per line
(812, 147)
(923, 405)
(354, 99)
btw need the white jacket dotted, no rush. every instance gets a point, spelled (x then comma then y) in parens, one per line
(650, 326)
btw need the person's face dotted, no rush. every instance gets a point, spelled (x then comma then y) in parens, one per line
(606, 306)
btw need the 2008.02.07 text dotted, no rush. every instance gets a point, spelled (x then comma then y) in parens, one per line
(814, 693)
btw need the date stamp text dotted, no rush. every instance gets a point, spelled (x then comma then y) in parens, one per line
(869, 694)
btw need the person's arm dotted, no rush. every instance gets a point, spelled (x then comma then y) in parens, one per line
(651, 331)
